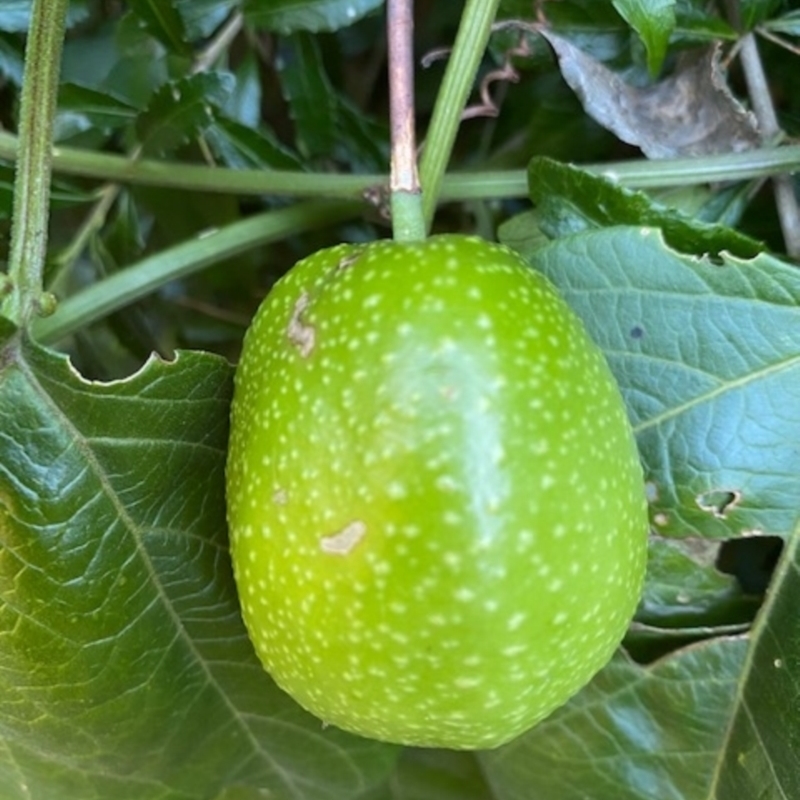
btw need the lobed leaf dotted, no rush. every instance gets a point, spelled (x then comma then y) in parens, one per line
(125, 670)
(707, 358)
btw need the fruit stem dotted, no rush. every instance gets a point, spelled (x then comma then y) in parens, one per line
(408, 223)
(34, 161)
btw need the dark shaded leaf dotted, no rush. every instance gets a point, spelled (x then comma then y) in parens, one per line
(164, 22)
(241, 147)
(753, 12)
(309, 92)
(11, 59)
(684, 588)
(98, 108)
(289, 16)
(15, 15)
(698, 22)
(202, 17)
(596, 28)
(125, 670)
(570, 199)
(62, 193)
(181, 109)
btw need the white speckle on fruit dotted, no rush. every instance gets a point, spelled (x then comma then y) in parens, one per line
(452, 559)
(446, 483)
(515, 621)
(280, 497)
(300, 334)
(343, 542)
(452, 518)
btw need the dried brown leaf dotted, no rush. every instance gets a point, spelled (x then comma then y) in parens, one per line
(692, 112)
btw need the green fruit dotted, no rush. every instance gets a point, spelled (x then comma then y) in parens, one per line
(436, 507)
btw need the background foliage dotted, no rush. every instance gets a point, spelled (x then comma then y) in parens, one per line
(205, 145)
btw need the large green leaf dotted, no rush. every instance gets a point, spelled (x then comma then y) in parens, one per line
(708, 358)
(125, 670)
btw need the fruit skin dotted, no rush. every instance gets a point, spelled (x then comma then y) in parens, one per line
(436, 507)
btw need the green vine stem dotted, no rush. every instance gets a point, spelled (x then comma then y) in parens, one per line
(635, 173)
(457, 84)
(34, 156)
(408, 224)
(134, 282)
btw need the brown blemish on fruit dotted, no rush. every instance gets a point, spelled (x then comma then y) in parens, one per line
(347, 261)
(342, 542)
(719, 501)
(301, 334)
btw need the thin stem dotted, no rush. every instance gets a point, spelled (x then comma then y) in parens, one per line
(219, 44)
(407, 219)
(761, 99)
(138, 280)
(34, 160)
(459, 78)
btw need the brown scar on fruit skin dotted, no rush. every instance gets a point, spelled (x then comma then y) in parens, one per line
(299, 333)
(342, 542)
(347, 261)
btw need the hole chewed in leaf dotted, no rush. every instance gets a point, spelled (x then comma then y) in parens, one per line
(719, 501)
